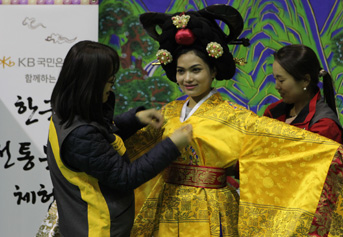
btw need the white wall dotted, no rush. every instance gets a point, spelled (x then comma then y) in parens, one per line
(34, 40)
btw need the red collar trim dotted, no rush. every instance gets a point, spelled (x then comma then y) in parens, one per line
(312, 107)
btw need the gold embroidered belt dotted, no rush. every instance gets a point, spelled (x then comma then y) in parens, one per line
(195, 176)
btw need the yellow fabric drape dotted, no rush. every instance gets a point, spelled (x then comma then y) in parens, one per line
(282, 172)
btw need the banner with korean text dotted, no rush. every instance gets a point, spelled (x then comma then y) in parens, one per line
(34, 41)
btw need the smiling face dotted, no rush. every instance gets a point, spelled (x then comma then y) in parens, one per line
(194, 77)
(290, 90)
(108, 87)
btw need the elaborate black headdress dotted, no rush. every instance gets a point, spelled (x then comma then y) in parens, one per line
(199, 30)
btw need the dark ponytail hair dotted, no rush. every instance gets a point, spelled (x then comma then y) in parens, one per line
(299, 60)
(329, 93)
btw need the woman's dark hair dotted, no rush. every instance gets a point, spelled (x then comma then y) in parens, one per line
(299, 60)
(205, 31)
(200, 29)
(81, 82)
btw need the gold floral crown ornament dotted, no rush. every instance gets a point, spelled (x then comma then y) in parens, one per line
(214, 50)
(164, 56)
(240, 61)
(181, 21)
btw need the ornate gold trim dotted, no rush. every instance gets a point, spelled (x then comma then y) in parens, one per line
(196, 176)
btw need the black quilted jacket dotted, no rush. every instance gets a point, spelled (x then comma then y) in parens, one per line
(86, 148)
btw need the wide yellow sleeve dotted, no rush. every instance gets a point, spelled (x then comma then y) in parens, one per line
(136, 146)
(282, 172)
(142, 142)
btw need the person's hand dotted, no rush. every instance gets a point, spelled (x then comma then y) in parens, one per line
(182, 136)
(150, 116)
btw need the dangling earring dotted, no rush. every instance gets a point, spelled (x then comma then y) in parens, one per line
(305, 89)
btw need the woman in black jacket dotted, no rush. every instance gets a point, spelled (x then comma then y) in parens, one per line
(92, 176)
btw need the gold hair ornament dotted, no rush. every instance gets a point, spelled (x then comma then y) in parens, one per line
(214, 50)
(181, 21)
(164, 56)
(240, 61)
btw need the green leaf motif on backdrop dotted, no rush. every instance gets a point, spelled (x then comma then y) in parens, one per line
(136, 84)
(268, 24)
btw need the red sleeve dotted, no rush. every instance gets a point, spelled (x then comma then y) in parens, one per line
(267, 112)
(327, 128)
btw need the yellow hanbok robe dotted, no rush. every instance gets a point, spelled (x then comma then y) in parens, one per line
(282, 172)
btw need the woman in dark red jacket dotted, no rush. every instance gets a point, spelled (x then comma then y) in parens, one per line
(297, 70)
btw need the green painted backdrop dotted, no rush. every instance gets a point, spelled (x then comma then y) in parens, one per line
(268, 24)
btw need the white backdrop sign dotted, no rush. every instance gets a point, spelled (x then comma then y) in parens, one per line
(34, 42)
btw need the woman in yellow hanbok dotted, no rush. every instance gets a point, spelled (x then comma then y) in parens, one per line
(282, 168)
